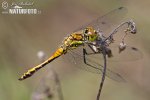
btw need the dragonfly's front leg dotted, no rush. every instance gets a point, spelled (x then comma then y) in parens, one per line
(91, 47)
(96, 51)
(84, 59)
(84, 53)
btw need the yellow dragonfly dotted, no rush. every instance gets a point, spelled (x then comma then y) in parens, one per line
(91, 41)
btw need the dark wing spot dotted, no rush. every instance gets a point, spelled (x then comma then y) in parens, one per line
(133, 48)
(103, 22)
(120, 8)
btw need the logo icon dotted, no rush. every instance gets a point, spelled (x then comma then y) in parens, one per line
(4, 5)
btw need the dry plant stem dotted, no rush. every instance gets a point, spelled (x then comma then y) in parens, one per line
(103, 75)
(131, 28)
(58, 84)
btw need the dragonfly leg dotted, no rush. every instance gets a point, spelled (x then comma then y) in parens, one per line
(91, 48)
(84, 53)
(86, 60)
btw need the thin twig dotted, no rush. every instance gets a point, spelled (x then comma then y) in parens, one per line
(103, 75)
(131, 28)
(104, 56)
(58, 84)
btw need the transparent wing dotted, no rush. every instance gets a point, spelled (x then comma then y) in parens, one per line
(106, 22)
(93, 65)
(128, 55)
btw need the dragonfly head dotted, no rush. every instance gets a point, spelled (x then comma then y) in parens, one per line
(91, 34)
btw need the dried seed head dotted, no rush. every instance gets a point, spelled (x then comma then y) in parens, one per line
(122, 47)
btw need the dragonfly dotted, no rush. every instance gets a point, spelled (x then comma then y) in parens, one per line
(87, 45)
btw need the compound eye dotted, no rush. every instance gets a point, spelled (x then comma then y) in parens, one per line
(86, 30)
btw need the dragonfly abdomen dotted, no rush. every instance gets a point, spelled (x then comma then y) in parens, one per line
(31, 71)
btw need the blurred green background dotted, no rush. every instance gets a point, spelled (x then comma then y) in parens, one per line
(22, 36)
